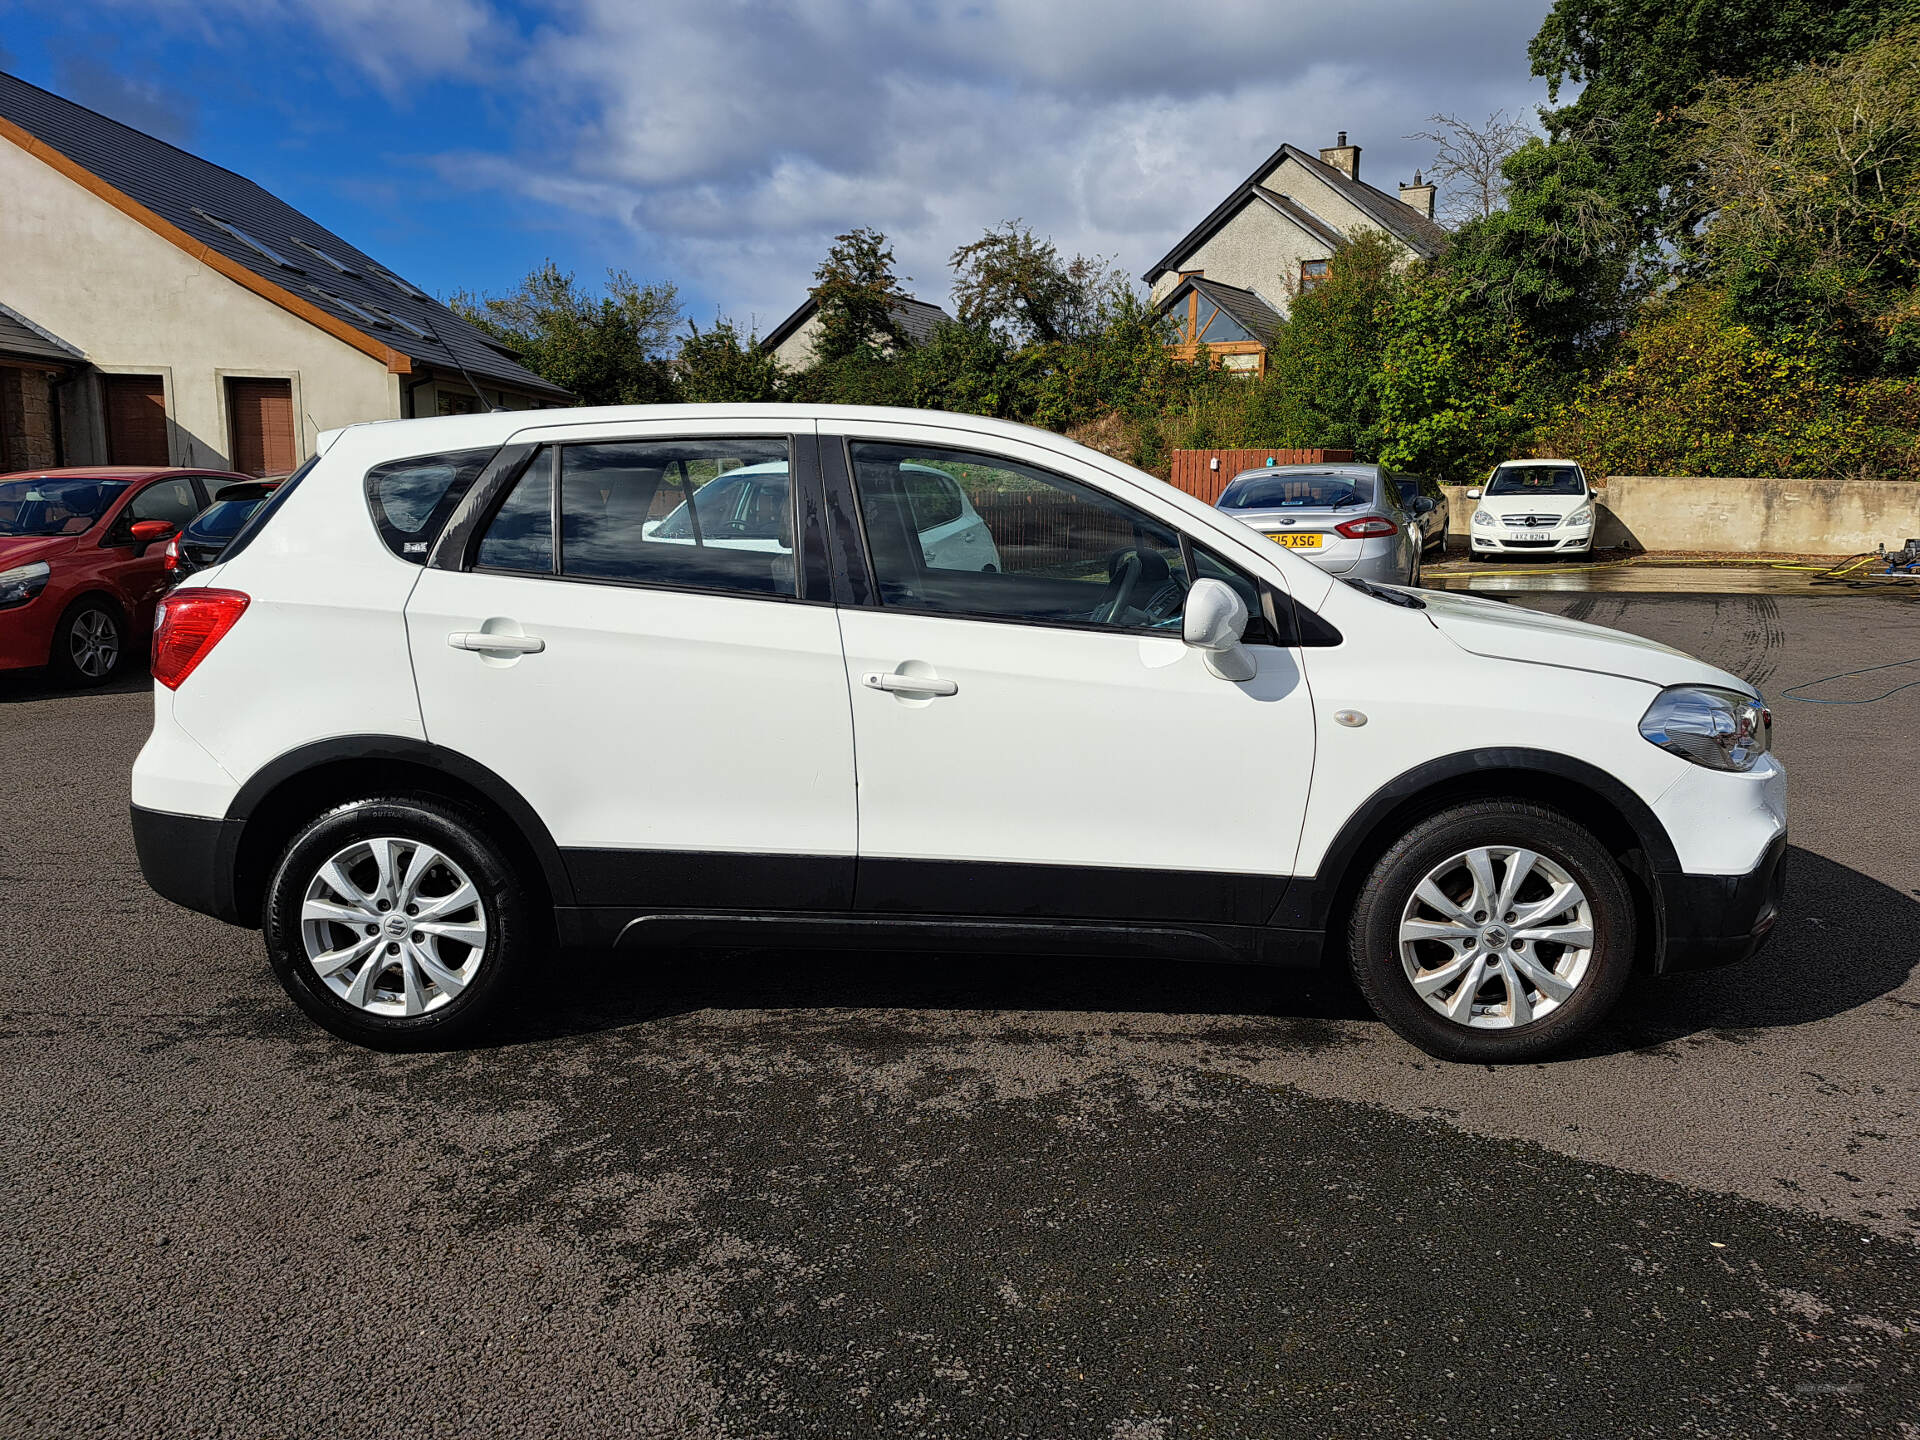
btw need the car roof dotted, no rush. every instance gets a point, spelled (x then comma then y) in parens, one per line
(119, 472)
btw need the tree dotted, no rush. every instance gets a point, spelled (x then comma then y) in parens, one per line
(608, 350)
(1323, 366)
(1020, 285)
(1469, 160)
(1556, 262)
(1639, 62)
(857, 294)
(716, 366)
(1814, 186)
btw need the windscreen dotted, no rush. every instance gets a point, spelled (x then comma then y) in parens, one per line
(1536, 480)
(1296, 490)
(54, 507)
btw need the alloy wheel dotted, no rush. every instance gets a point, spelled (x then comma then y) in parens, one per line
(393, 926)
(93, 643)
(1496, 937)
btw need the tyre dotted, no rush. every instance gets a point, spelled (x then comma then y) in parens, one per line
(1496, 931)
(396, 922)
(89, 643)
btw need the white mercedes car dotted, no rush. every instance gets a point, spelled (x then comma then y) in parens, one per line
(1532, 507)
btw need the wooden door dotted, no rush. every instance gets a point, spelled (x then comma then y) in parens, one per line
(260, 414)
(136, 420)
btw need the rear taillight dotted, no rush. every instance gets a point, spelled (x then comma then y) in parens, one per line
(186, 626)
(1371, 528)
(171, 554)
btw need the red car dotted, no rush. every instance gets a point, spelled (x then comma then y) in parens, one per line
(82, 559)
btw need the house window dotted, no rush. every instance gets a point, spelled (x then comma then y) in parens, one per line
(1182, 317)
(1312, 272)
(450, 403)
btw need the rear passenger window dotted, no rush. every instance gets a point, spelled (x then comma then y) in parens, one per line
(520, 535)
(701, 514)
(411, 499)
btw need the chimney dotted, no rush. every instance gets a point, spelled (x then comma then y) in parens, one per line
(1419, 195)
(1343, 156)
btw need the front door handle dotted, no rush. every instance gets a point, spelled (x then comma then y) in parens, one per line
(488, 642)
(896, 684)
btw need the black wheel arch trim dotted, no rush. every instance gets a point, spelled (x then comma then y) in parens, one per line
(1309, 901)
(276, 773)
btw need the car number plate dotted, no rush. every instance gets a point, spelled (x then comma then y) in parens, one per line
(1295, 542)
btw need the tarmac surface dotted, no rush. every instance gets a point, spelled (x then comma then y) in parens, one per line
(762, 1194)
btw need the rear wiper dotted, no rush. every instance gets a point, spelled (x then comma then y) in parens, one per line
(1392, 597)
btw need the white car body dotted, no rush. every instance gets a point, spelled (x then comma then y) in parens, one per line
(672, 760)
(1505, 522)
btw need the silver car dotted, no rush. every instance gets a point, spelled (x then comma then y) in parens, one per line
(1347, 519)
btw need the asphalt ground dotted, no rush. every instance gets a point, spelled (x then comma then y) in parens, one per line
(754, 1194)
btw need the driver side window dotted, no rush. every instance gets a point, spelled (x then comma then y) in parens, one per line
(959, 532)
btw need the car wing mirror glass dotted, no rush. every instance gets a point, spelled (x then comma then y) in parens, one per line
(1214, 624)
(1475, 493)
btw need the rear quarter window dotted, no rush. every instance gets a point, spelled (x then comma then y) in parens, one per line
(410, 500)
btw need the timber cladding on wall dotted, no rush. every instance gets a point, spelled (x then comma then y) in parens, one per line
(1729, 515)
(1195, 472)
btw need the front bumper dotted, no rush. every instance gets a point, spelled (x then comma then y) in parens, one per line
(1514, 540)
(1710, 920)
(26, 634)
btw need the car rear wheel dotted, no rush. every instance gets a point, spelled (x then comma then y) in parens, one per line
(90, 642)
(395, 922)
(1496, 931)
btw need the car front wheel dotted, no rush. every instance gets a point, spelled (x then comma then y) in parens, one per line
(90, 642)
(396, 922)
(1495, 931)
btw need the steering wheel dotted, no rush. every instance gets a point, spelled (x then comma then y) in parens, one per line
(1138, 571)
(1123, 574)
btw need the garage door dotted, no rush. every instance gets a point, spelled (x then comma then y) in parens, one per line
(136, 420)
(261, 415)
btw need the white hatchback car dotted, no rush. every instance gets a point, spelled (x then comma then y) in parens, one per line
(449, 703)
(1532, 507)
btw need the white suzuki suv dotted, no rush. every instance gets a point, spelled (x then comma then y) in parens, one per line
(451, 702)
(1532, 507)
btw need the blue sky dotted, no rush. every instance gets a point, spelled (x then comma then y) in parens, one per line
(721, 144)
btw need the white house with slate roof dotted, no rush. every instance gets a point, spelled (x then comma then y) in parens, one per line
(156, 309)
(794, 339)
(1230, 281)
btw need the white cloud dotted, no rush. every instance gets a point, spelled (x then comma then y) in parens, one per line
(732, 140)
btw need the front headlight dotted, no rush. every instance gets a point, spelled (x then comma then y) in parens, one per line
(1582, 516)
(23, 582)
(1483, 517)
(1720, 729)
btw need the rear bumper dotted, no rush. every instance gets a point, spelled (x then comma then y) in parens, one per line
(1710, 920)
(187, 859)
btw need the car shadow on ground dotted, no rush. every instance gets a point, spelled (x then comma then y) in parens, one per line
(1845, 941)
(19, 686)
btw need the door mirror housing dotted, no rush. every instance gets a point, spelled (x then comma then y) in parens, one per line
(149, 532)
(1215, 621)
(1475, 493)
(1423, 504)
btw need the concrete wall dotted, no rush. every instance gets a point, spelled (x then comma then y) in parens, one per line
(1767, 516)
(137, 304)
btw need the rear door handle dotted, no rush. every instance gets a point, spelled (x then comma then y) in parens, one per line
(896, 684)
(487, 642)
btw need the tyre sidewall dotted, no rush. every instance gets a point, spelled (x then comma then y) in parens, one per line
(461, 836)
(1374, 934)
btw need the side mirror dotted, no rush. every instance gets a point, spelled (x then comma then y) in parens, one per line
(1216, 618)
(1475, 493)
(145, 532)
(1423, 504)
